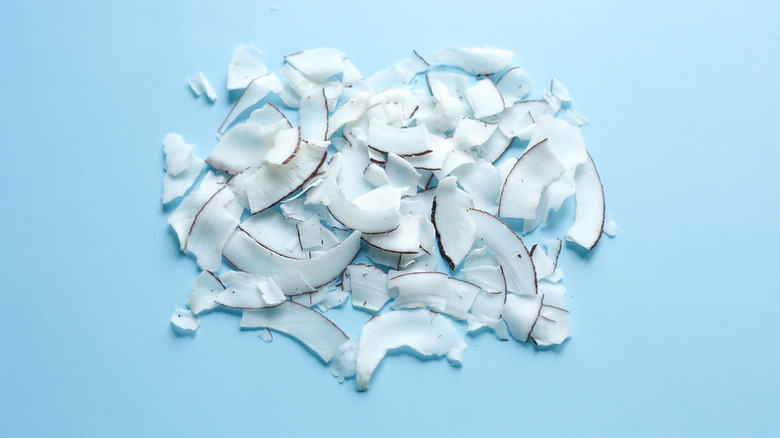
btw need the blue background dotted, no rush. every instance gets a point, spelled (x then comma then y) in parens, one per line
(676, 328)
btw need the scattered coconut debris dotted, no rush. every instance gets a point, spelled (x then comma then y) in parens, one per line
(415, 176)
(200, 85)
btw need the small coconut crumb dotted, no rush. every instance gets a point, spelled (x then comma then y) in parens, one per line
(610, 227)
(266, 335)
(200, 85)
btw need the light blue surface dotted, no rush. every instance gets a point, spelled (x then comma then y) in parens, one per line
(675, 320)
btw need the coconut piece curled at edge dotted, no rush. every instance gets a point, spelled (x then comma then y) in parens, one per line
(307, 325)
(424, 331)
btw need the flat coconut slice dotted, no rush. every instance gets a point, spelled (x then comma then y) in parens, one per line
(419, 290)
(249, 291)
(183, 216)
(482, 181)
(317, 64)
(455, 229)
(178, 154)
(243, 147)
(401, 141)
(310, 327)
(485, 99)
(426, 332)
(314, 116)
(271, 182)
(211, 228)
(589, 214)
(521, 313)
(177, 185)
(185, 320)
(376, 212)
(514, 85)
(206, 288)
(246, 65)
(368, 285)
(553, 326)
(256, 91)
(284, 146)
(472, 132)
(509, 249)
(292, 275)
(406, 239)
(474, 60)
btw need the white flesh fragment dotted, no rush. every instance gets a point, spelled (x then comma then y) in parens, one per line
(284, 146)
(268, 114)
(559, 90)
(418, 290)
(200, 85)
(401, 141)
(309, 235)
(544, 265)
(314, 116)
(303, 323)
(185, 320)
(246, 65)
(409, 67)
(400, 173)
(266, 336)
(249, 291)
(406, 239)
(271, 183)
(482, 181)
(554, 293)
(183, 216)
(553, 326)
(610, 227)
(560, 151)
(343, 362)
(474, 60)
(256, 91)
(455, 229)
(178, 154)
(211, 228)
(462, 295)
(368, 285)
(243, 147)
(375, 212)
(274, 231)
(376, 175)
(206, 288)
(175, 186)
(589, 214)
(514, 85)
(317, 64)
(292, 275)
(472, 132)
(488, 278)
(509, 249)
(485, 99)
(519, 119)
(552, 198)
(336, 298)
(495, 146)
(521, 313)
(447, 113)
(424, 331)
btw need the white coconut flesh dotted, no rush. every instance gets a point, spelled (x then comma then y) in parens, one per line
(200, 85)
(307, 325)
(246, 65)
(395, 172)
(424, 331)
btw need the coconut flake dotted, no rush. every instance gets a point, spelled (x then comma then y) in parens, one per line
(426, 332)
(552, 327)
(485, 99)
(474, 60)
(206, 288)
(185, 320)
(200, 85)
(368, 285)
(211, 228)
(256, 91)
(610, 227)
(303, 323)
(589, 214)
(514, 85)
(521, 313)
(419, 290)
(401, 141)
(317, 64)
(314, 116)
(455, 228)
(246, 65)
(559, 90)
(177, 185)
